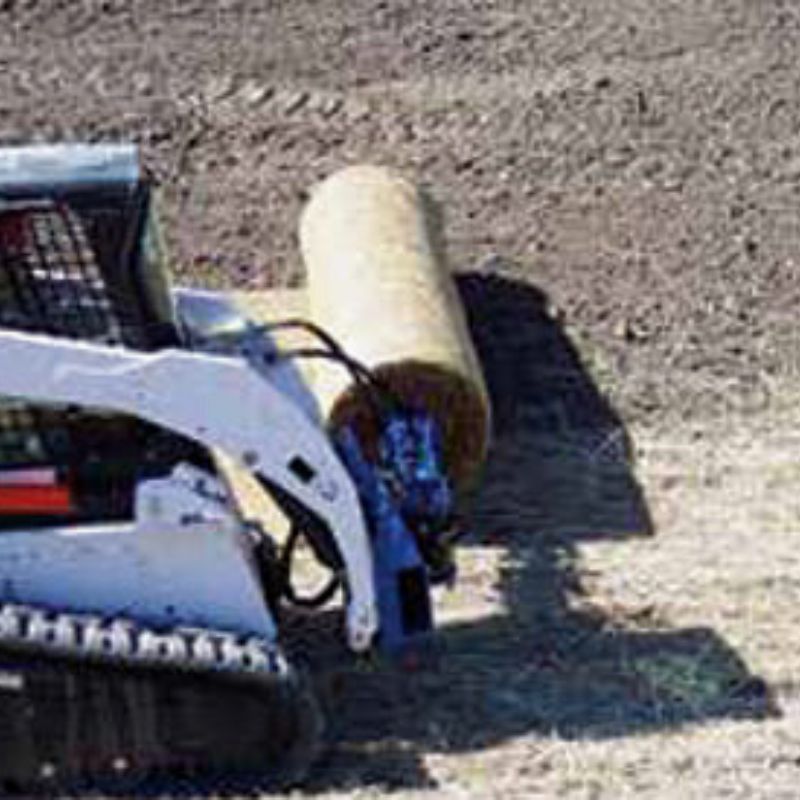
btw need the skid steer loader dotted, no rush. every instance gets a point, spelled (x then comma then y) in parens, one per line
(139, 609)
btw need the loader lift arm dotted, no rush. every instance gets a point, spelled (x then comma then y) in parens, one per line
(223, 402)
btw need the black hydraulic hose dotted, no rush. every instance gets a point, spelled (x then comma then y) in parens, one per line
(320, 598)
(377, 391)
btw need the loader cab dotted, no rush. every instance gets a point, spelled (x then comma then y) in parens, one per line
(81, 258)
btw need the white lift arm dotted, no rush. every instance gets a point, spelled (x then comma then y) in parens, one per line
(221, 402)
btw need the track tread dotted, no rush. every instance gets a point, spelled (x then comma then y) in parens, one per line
(69, 728)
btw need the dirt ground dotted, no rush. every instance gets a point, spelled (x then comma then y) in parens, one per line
(621, 181)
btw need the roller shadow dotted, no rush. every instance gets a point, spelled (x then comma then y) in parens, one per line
(559, 474)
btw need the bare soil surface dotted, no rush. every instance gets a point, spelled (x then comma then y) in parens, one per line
(620, 180)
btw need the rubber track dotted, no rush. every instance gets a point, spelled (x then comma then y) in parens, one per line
(68, 727)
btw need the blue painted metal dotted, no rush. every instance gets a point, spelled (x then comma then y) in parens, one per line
(394, 547)
(410, 449)
(406, 497)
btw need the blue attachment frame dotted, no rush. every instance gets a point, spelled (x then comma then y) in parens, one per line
(406, 492)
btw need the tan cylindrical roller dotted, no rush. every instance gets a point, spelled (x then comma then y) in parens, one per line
(378, 282)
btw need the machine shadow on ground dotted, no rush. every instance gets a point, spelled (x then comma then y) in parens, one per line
(548, 662)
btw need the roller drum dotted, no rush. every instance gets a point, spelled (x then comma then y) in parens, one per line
(379, 283)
